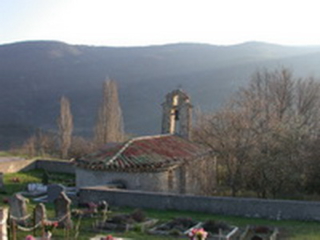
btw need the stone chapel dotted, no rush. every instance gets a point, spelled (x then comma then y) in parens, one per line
(169, 162)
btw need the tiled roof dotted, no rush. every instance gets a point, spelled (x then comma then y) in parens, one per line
(153, 153)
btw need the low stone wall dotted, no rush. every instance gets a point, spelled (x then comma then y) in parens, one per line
(11, 165)
(244, 207)
(60, 166)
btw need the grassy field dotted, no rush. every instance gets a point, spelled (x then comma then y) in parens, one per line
(295, 230)
(5, 154)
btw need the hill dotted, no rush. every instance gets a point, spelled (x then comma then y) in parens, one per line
(34, 75)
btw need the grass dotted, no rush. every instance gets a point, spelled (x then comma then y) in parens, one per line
(5, 154)
(16, 182)
(295, 230)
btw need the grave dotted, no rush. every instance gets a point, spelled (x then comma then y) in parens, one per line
(219, 230)
(18, 208)
(259, 233)
(40, 213)
(126, 222)
(35, 190)
(177, 227)
(37, 187)
(62, 210)
(54, 190)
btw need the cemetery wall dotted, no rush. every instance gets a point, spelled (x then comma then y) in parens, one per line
(244, 207)
(60, 166)
(16, 165)
(25, 165)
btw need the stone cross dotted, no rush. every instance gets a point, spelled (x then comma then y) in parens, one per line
(40, 213)
(62, 210)
(103, 207)
(3, 223)
(18, 208)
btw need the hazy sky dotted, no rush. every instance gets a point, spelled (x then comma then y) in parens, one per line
(148, 22)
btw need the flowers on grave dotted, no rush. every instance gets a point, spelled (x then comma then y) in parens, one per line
(15, 180)
(92, 207)
(30, 237)
(197, 234)
(5, 200)
(108, 237)
(49, 226)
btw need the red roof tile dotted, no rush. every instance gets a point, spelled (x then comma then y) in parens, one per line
(151, 153)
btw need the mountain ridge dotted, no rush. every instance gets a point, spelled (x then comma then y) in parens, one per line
(34, 75)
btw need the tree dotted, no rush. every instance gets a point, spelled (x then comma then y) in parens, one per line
(109, 127)
(80, 147)
(226, 133)
(29, 147)
(65, 124)
(284, 115)
(262, 134)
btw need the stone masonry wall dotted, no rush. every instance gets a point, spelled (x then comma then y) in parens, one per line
(12, 165)
(60, 166)
(132, 181)
(166, 181)
(245, 207)
(177, 114)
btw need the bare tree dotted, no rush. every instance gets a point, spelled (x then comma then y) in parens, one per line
(109, 126)
(46, 144)
(284, 122)
(261, 136)
(226, 133)
(29, 147)
(65, 124)
(80, 146)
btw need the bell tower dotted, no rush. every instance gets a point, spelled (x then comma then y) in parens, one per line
(177, 114)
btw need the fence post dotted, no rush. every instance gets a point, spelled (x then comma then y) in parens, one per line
(3, 223)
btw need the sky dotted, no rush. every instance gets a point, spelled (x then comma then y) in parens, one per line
(150, 22)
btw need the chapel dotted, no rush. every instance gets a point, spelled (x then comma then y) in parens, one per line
(169, 162)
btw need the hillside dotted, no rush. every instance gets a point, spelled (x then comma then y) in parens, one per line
(34, 75)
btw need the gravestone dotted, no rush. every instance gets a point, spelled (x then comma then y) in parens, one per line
(40, 213)
(3, 223)
(54, 191)
(62, 210)
(18, 208)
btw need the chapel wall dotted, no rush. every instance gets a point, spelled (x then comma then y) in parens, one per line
(152, 181)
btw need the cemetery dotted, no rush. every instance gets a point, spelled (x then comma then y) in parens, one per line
(148, 187)
(33, 210)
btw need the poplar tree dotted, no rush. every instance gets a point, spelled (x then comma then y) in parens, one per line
(109, 126)
(65, 124)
